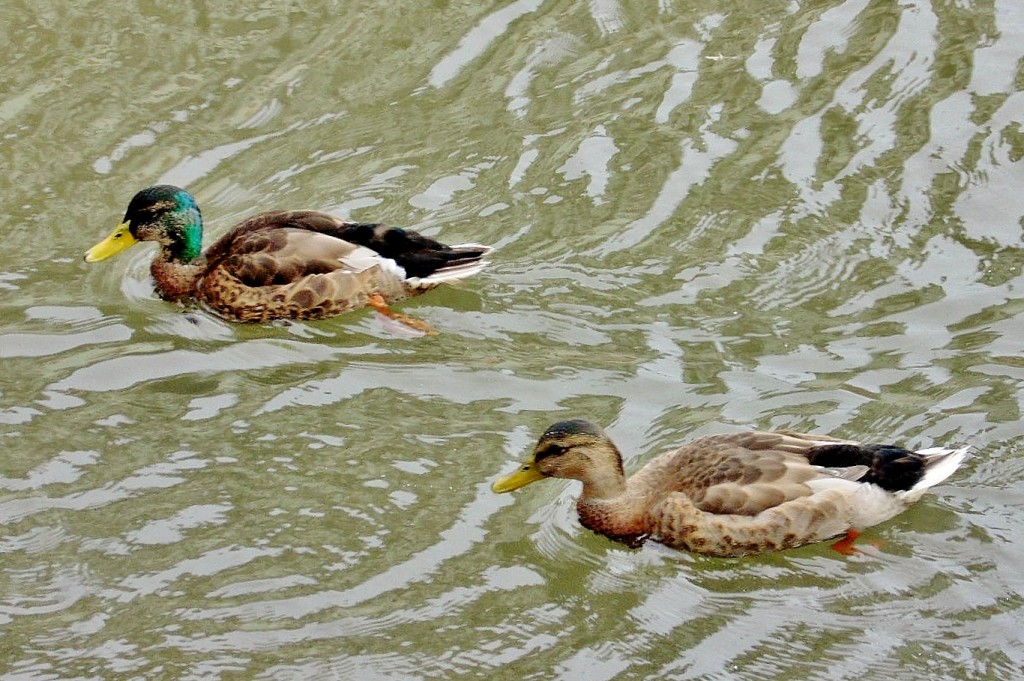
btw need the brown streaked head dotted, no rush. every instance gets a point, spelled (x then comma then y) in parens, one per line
(571, 449)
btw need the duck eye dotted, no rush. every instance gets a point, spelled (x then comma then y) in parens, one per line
(552, 450)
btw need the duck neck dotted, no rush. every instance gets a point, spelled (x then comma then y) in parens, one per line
(175, 279)
(179, 262)
(603, 484)
(601, 472)
(607, 506)
(622, 518)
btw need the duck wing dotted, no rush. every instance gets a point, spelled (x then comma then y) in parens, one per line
(276, 249)
(419, 256)
(744, 473)
(282, 247)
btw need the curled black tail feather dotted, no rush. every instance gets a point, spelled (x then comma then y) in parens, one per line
(890, 467)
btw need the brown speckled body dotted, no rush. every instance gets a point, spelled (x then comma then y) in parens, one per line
(738, 494)
(726, 495)
(309, 265)
(281, 265)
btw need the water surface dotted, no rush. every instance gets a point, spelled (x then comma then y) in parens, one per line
(708, 217)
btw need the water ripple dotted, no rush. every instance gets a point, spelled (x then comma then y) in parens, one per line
(706, 218)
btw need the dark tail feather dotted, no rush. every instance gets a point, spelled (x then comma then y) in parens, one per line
(890, 467)
(418, 255)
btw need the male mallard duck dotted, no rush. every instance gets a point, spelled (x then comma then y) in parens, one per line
(283, 264)
(738, 494)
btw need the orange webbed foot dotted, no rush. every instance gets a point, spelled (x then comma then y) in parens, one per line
(377, 302)
(845, 545)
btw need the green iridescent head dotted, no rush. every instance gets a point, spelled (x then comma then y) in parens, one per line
(163, 213)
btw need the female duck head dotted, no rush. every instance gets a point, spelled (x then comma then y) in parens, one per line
(574, 449)
(164, 213)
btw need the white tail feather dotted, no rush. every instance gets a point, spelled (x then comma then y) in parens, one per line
(475, 247)
(362, 258)
(452, 272)
(941, 464)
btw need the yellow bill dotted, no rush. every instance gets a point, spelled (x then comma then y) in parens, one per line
(120, 239)
(526, 474)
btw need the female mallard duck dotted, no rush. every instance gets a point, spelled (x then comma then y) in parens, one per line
(283, 264)
(733, 495)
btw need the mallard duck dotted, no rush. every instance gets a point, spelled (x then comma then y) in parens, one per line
(283, 264)
(738, 494)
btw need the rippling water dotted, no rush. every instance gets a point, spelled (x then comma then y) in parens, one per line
(708, 216)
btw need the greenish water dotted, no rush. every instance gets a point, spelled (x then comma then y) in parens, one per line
(708, 217)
